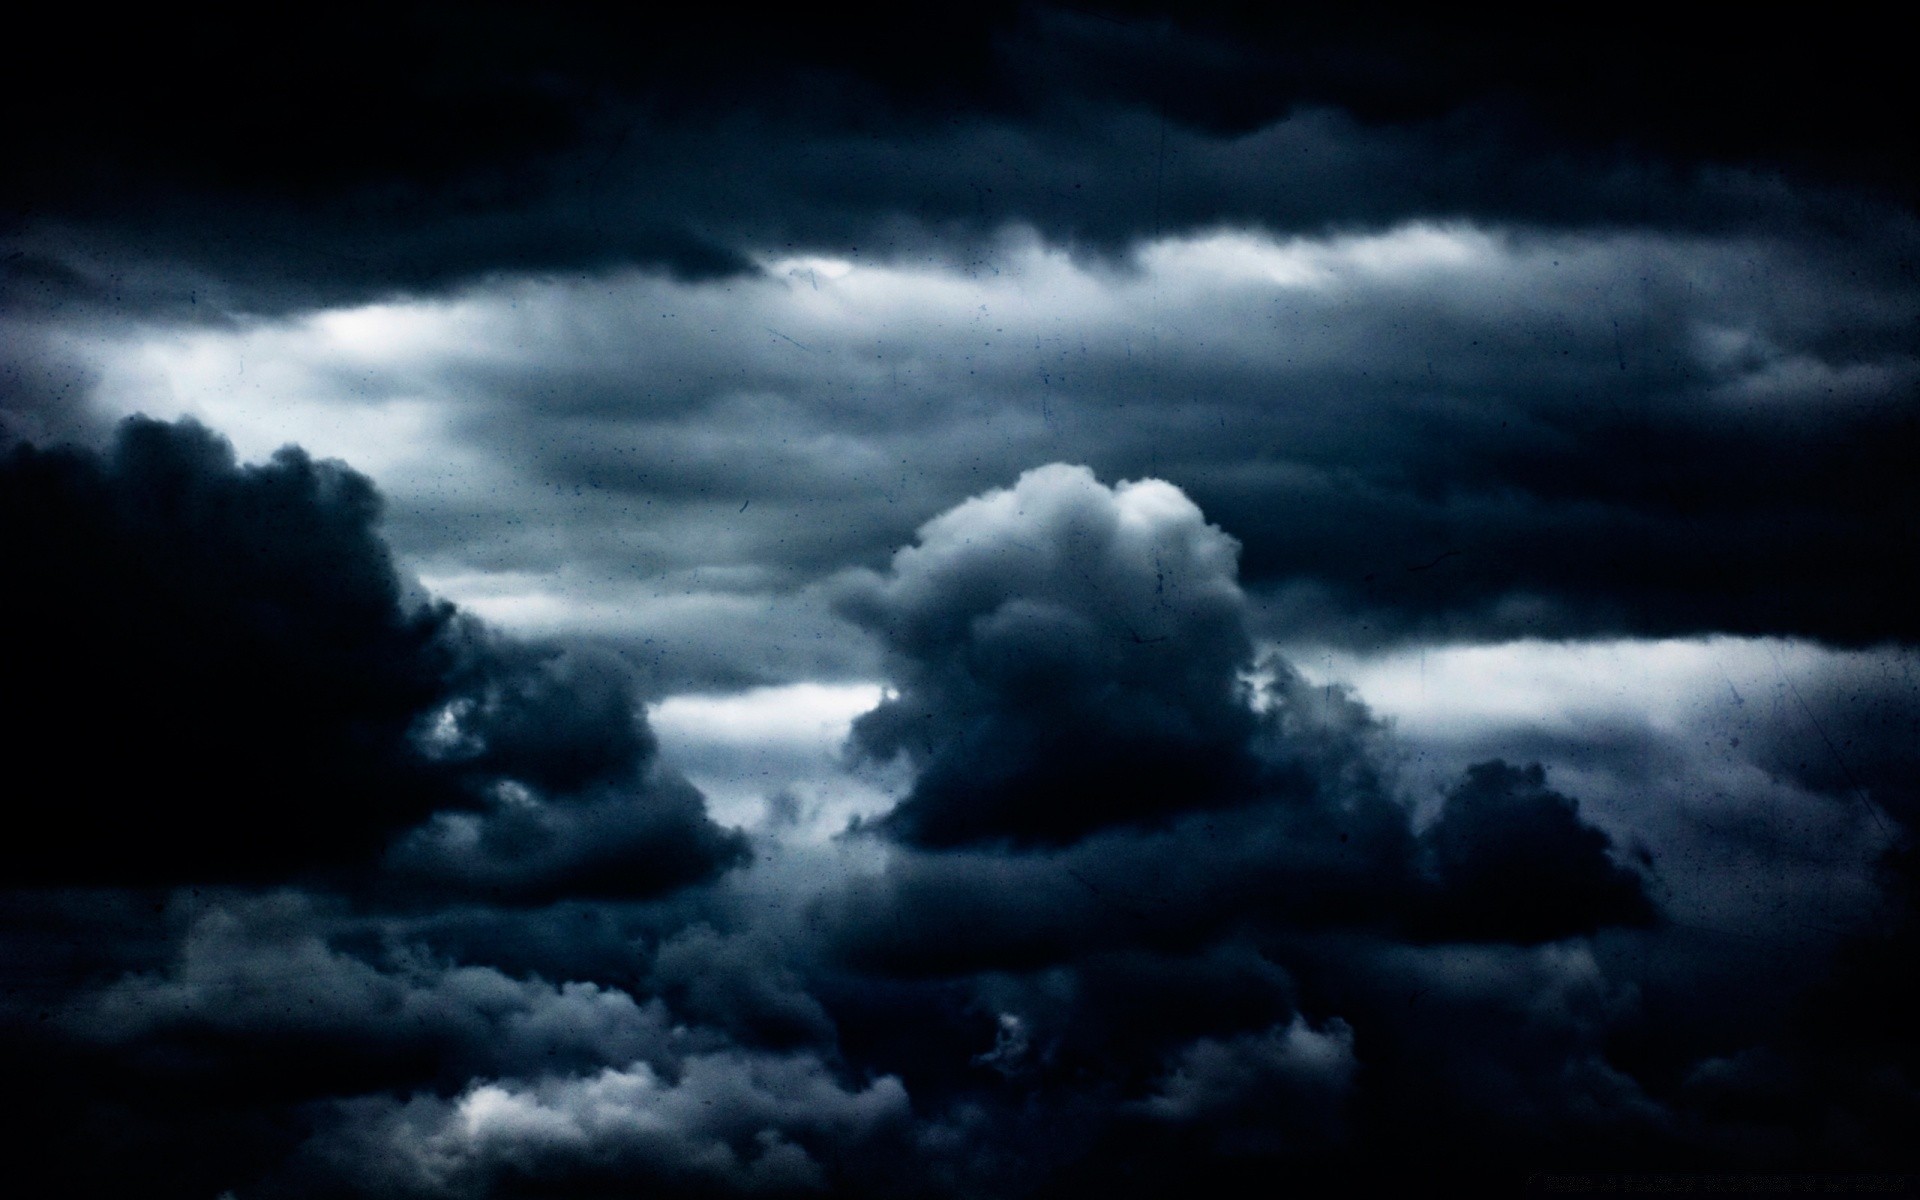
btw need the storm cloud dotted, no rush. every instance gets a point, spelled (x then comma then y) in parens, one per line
(1035, 601)
(251, 692)
(573, 139)
(1245, 962)
(1433, 432)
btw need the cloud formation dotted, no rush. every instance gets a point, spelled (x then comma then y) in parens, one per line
(1072, 659)
(726, 1123)
(1067, 658)
(528, 142)
(548, 985)
(1205, 963)
(1456, 723)
(248, 692)
(1453, 431)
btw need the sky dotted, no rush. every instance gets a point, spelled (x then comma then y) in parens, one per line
(1026, 600)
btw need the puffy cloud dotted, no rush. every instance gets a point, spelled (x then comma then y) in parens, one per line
(1067, 657)
(244, 688)
(654, 324)
(1302, 970)
(1213, 975)
(724, 1122)
(1514, 861)
(648, 835)
(221, 658)
(741, 985)
(260, 1002)
(1075, 678)
(1292, 1079)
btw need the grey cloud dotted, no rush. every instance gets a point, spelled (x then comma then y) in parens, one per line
(1438, 431)
(1066, 659)
(1453, 329)
(555, 721)
(1516, 861)
(739, 984)
(1072, 659)
(1849, 732)
(42, 385)
(263, 657)
(569, 140)
(1294, 1079)
(725, 1122)
(1659, 387)
(573, 800)
(253, 620)
(1130, 957)
(1299, 976)
(649, 835)
(263, 998)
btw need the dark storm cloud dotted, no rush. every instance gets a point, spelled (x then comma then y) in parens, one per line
(1852, 732)
(1295, 974)
(1071, 658)
(1443, 950)
(1671, 402)
(649, 835)
(728, 1123)
(1030, 602)
(219, 655)
(258, 998)
(1851, 1062)
(1591, 327)
(313, 1019)
(1434, 432)
(1764, 1015)
(42, 386)
(990, 1017)
(227, 682)
(1516, 862)
(502, 142)
(382, 150)
(1066, 660)
(224, 680)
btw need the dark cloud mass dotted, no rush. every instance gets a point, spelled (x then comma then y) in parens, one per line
(1516, 863)
(1066, 657)
(224, 682)
(397, 149)
(1002, 602)
(1245, 949)
(230, 648)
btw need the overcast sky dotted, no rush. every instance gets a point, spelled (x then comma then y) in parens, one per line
(1036, 601)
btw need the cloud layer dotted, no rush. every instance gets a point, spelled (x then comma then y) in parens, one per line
(1021, 602)
(1249, 944)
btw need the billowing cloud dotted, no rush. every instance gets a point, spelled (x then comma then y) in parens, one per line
(1515, 860)
(1292, 972)
(1067, 658)
(236, 632)
(1456, 723)
(1072, 659)
(1438, 430)
(248, 689)
(265, 1001)
(725, 1123)
(1219, 969)
(1292, 1064)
